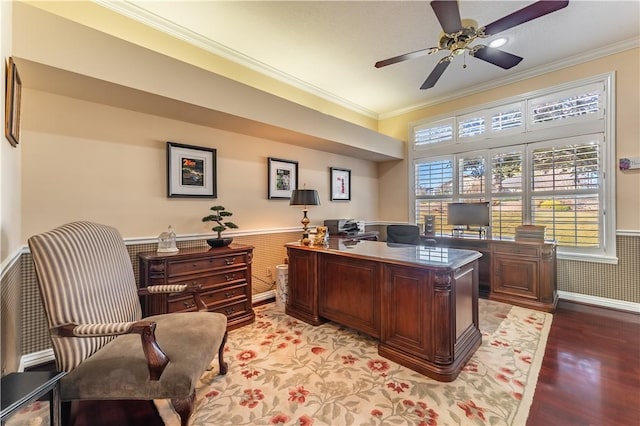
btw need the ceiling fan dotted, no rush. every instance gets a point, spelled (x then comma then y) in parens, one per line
(458, 34)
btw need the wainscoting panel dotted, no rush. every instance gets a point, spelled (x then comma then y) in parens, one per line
(268, 252)
(620, 282)
(11, 313)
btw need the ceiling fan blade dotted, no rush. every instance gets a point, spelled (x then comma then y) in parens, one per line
(404, 57)
(529, 13)
(448, 14)
(435, 74)
(497, 57)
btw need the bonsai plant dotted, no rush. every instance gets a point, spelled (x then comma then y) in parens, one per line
(218, 217)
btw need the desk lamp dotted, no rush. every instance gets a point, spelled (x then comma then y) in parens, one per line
(305, 197)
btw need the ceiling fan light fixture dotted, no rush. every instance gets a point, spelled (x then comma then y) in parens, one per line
(458, 35)
(499, 42)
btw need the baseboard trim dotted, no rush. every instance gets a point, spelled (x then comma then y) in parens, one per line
(35, 359)
(603, 302)
(257, 298)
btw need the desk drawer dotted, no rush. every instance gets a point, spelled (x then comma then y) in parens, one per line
(213, 280)
(517, 249)
(185, 303)
(202, 265)
(234, 310)
(225, 295)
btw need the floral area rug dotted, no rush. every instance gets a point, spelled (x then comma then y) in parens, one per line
(283, 371)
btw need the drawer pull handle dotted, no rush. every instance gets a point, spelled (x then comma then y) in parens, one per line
(230, 277)
(230, 294)
(188, 305)
(229, 311)
(230, 260)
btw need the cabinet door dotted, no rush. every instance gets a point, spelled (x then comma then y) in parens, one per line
(516, 276)
(349, 292)
(302, 296)
(407, 311)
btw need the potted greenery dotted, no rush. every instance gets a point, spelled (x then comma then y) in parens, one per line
(219, 217)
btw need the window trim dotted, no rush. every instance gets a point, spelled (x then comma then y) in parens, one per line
(602, 124)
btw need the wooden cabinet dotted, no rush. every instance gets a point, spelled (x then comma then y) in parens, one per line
(224, 275)
(524, 274)
(515, 272)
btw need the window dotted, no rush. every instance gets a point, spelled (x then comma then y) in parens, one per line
(434, 133)
(471, 176)
(472, 126)
(540, 164)
(569, 105)
(434, 190)
(492, 122)
(565, 189)
(506, 192)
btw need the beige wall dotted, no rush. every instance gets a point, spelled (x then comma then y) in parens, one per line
(627, 68)
(10, 221)
(90, 161)
(95, 16)
(10, 160)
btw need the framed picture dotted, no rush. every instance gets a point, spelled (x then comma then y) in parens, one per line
(191, 171)
(13, 95)
(340, 184)
(283, 178)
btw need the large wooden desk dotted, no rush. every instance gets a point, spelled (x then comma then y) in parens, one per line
(520, 273)
(420, 302)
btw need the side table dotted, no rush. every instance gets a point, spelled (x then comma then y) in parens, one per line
(20, 389)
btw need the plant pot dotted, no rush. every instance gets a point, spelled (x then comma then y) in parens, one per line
(219, 242)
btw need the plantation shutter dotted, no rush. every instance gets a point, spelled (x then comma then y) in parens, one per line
(506, 192)
(441, 131)
(583, 103)
(433, 192)
(565, 188)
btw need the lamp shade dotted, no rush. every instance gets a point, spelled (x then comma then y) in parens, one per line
(304, 197)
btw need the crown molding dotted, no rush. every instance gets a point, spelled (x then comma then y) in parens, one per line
(152, 20)
(159, 23)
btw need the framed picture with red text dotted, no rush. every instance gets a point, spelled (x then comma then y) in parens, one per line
(340, 184)
(191, 171)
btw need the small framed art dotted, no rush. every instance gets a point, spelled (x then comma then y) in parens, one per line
(191, 171)
(340, 184)
(283, 178)
(13, 96)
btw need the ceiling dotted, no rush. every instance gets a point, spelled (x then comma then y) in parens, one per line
(329, 47)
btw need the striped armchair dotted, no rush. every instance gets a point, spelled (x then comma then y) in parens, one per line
(95, 321)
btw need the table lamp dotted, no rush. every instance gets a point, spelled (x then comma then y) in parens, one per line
(305, 197)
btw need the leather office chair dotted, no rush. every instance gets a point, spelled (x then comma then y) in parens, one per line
(90, 298)
(403, 234)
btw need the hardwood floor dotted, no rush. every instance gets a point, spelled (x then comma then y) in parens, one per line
(590, 375)
(591, 369)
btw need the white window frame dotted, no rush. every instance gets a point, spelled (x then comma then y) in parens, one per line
(440, 123)
(600, 123)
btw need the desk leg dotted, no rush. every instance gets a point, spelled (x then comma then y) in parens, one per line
(54, 406)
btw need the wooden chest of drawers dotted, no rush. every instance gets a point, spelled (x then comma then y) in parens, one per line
(224, 274)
